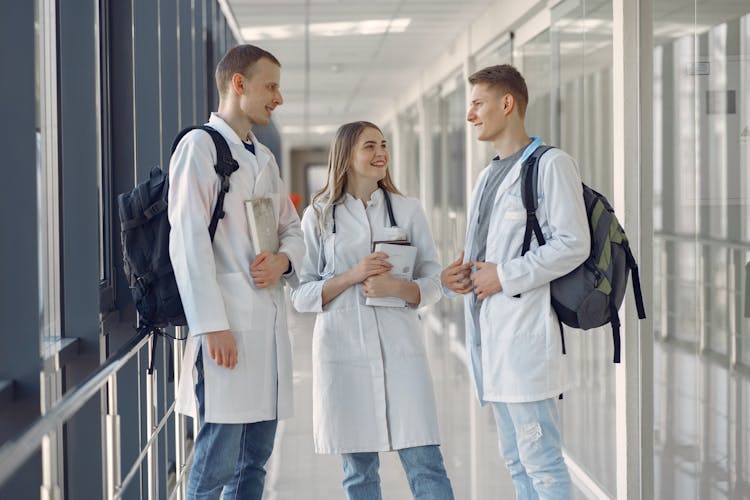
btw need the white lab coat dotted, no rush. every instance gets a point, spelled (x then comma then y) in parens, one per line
(215, 286)
(519, 345)
(372, 389)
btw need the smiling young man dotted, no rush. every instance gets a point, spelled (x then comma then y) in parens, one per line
(512, 333)
(237, 374)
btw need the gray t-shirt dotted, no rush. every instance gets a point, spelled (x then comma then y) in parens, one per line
(499, 168)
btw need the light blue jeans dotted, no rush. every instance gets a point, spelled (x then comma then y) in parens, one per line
(228, 457)
(529, 436)
(424, 470)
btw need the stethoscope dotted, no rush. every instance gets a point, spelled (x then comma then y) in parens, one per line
(391, 218)
(388, 206)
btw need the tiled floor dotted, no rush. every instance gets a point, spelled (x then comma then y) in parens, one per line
(469, 441)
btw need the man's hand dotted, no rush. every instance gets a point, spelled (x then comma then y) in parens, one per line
(485, 279)
(268, 267)
(222, 348)
(455, 277)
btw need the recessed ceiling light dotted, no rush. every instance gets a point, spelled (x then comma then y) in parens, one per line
(366, 27)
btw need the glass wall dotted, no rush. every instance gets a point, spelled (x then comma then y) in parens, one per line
(581, 38)
(568, 72)
(535, 63)
(409, 144)
(701, 249)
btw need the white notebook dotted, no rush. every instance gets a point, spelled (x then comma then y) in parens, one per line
(403, 258)
(261, 220)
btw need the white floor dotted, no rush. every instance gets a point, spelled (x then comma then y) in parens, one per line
(469, 440)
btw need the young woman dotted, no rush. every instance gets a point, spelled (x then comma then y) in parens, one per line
(372, 389)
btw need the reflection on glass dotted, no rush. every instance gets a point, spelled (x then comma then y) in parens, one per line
(702, 247)
(409, 141)
(536, 66)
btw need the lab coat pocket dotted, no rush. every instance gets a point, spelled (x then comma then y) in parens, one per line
(338, 337)
(239, 300)
(393, 233)
(327, 257)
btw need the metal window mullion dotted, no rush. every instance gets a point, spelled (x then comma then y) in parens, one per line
(179, 420)
(633, 199)
(52, 444)
(112, 429)
(151, 417)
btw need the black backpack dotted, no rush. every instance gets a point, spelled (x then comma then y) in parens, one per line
(591, 294)
(145, 239)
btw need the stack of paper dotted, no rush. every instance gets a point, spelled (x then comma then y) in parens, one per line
(261, 221)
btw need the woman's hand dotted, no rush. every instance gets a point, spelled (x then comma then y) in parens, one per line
(371, 265)
(387, 285)
(382, 285)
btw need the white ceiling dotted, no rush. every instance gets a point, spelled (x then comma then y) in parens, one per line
(350, 77)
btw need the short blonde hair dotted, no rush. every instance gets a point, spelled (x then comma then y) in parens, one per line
(507, 80)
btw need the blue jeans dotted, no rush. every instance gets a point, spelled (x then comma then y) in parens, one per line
(424, 470)
(228, 457)
(529, 437)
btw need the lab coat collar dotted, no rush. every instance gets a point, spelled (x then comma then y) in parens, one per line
(375, 198)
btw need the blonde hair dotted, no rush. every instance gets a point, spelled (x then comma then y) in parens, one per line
(504, 79)
(339, 163)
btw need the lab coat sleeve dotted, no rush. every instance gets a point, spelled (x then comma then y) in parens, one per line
(569, 242)
(308, 295)
(193, 189)
(426, 267)
(291, 241)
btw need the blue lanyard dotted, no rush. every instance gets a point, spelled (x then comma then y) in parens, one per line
(535, 143)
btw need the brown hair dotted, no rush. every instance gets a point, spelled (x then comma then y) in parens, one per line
(507, 80)
(239, 59)
(339, 163)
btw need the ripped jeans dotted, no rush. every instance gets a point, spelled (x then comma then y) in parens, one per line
(529, 436)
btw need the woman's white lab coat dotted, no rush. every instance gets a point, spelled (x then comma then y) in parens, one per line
(372, 389)
(519, 340)
(215, 286)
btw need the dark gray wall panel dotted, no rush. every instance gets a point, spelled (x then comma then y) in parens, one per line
(169, 76)
(187, 62)
(19, 300)
(80, 233)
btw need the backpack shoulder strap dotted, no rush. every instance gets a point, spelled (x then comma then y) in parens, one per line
(636, 281)
(529, 181)
(225, 166)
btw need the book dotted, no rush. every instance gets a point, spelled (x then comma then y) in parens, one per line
(261, 221)
(402, 256)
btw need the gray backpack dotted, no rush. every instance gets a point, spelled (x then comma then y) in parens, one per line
(591, 294)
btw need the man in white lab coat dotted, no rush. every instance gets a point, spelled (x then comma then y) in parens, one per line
(237, 364)
(512, 334)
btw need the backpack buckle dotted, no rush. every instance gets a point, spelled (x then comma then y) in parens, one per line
(225, 183)
(142, 282)
(155, 209)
